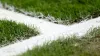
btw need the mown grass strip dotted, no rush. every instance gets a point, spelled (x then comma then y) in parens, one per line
(67, 10)
(10, 31)
(88, 45)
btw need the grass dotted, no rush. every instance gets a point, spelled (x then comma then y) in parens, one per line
(88, 45)
(67, 10)
(10, 31)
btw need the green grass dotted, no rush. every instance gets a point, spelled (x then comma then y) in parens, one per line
(10, 31)
(66, 10)
(88, 45)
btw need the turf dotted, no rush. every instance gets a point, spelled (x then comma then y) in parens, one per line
(67, 10)
(88, 45)
(10, 31)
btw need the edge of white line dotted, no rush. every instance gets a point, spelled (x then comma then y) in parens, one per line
(50, 31)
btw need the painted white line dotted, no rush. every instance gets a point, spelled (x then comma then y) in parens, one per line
(49, 31)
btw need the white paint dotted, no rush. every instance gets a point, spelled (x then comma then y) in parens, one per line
(49, 31)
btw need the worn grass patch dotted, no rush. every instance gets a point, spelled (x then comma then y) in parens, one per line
(10, 31)
(67, 10)
(88, 45)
